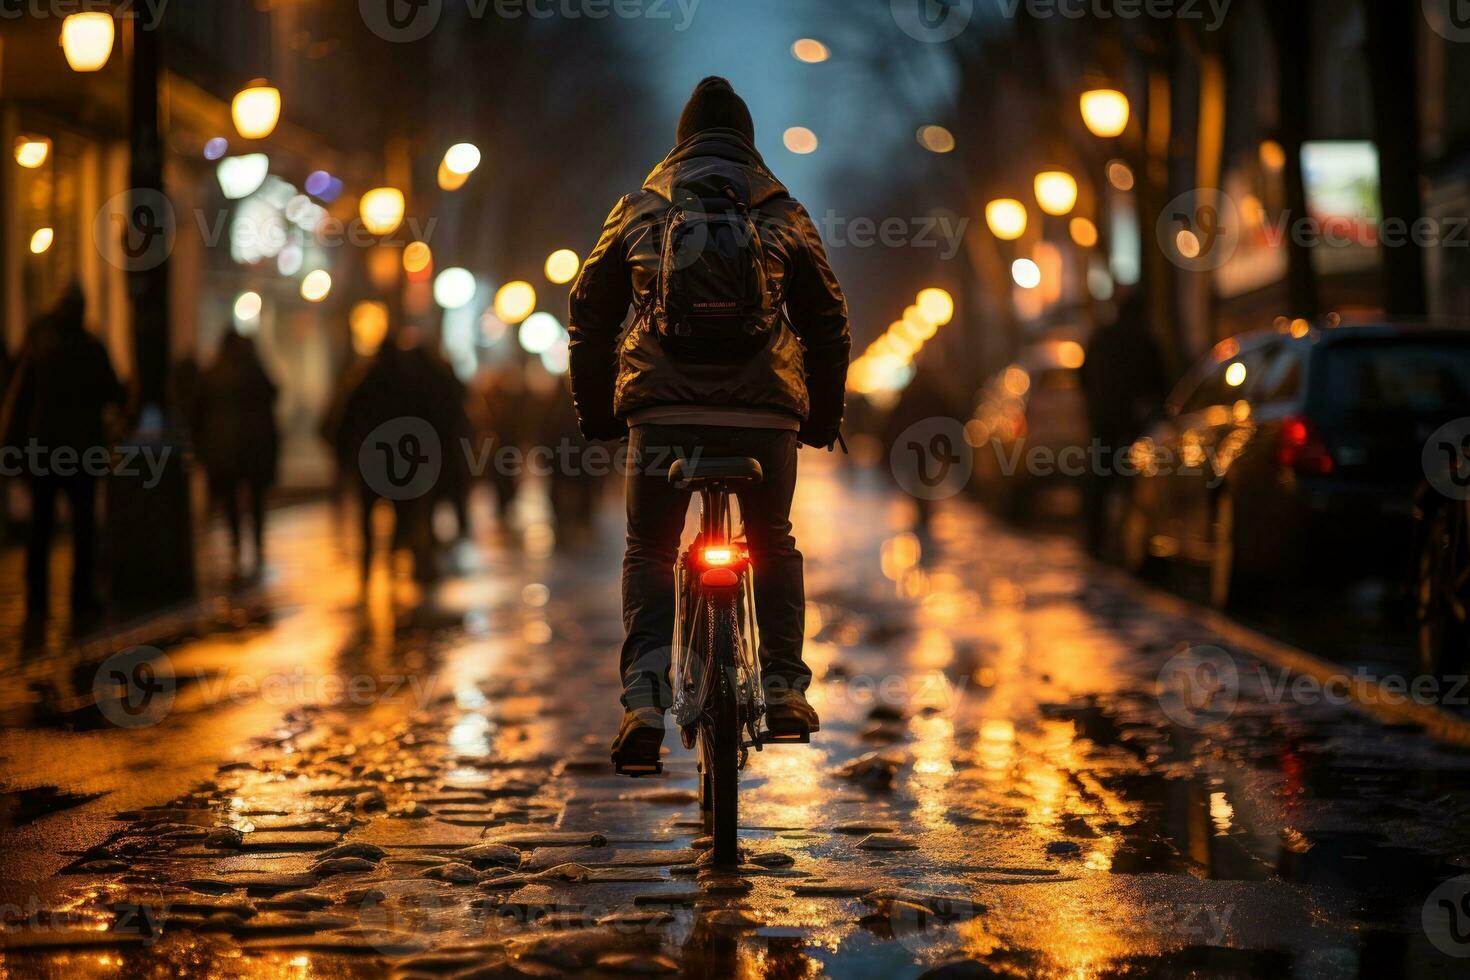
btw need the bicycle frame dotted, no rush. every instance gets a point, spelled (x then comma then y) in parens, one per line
(717, 536)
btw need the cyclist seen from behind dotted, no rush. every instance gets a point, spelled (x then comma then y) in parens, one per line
(736, 344)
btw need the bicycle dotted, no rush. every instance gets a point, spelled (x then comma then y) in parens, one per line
(718, 695)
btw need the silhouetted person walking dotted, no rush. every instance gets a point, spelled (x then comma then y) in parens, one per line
(1123, 383)
(53, 415)
(236, 438)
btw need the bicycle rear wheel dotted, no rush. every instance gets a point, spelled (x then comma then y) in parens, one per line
(719, 738)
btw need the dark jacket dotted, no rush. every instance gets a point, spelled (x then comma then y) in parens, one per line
(62, 384)
(802, 371)
(234, 418)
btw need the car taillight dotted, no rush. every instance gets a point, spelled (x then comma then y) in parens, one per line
(1302, 448)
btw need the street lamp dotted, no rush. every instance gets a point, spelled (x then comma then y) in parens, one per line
(1105, 111)
(1084, 232)
(382, 210)
(454, 288)
(1026, 273)
(810, 50)
(1056, 192)
(937, 305)
(562, 266)
(32, 151)
(1006, 218)
(316, 285)
(86, 40)
(256, 109)
(514, 301)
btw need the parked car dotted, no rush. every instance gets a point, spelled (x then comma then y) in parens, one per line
(1295, 451)
(1032, 410)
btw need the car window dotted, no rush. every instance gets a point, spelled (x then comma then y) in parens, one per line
(1231, 380)
(1395, 377)
(1281, 379)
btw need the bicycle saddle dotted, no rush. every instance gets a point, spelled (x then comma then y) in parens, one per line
(727, 468)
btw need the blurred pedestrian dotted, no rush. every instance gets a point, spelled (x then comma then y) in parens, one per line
(1124, 385)
(235, 436)
(389, 402)
(502, 397)
(923, 402)
(55, 414)
(576, 476)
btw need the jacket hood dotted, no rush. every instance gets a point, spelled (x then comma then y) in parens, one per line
(711, 145)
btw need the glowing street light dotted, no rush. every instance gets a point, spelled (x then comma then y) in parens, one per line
(239, 177)
(454, 288)
(1026, 273)
(1006, 218)
(937, 305)
(417, 256)
(1056, 192)
(256, 110)
(42, 239)
(1105, 111)
(514, 301)
(247, 306)
(462, 158)
(32, 151)
(936, 139)
(810, 50)
(562, 266)
(381, 210)
(316, 285)
(539, 333)
(1084, 232)
(86, 40)
(800, 140)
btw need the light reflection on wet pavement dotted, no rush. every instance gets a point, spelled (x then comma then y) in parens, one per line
(997, 789)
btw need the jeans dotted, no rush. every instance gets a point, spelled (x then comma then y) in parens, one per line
(656, 514)
(81, 493)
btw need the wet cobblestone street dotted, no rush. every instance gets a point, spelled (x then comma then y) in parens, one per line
(1002, 786)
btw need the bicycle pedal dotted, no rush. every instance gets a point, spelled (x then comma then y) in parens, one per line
(787, 738)
(639, 770)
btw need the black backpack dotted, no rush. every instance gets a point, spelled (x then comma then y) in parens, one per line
(712, 302)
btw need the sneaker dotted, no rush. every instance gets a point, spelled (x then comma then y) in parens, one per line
(790, 718)
(635, 750)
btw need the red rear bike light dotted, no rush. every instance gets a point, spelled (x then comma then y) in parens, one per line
(1302, 448)
(718, 556)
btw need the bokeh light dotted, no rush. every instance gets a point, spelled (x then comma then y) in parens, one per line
(799, 139)
(810, 50)
(316, 286)
(562, 266)
(1006, 218)
(1026, 273)
(454, 288)
(514, 301)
